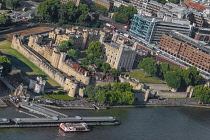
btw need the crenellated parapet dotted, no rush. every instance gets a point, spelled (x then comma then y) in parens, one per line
(38, 60)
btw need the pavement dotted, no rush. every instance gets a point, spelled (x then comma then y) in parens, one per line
(173, 102)
(77, 103)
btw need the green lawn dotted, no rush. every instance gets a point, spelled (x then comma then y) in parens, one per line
(58, 97)
(21, 62)
(147, 79)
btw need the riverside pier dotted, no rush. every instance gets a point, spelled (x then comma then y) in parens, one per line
(55, 121)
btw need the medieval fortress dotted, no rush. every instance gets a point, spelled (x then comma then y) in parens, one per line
(43, 50)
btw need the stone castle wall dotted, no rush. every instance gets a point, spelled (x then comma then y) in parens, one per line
(57, 60)
(37, 60)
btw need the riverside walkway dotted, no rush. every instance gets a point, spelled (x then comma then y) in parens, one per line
(35, 108)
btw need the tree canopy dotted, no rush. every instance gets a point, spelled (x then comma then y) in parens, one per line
(163, 68)
(56, 12)
(172, 79)
(202, 93)
(99, 9)
(5, 20)
(105, 67)
(149, 65)
(191, 76)
(164, 1)
(65, 45)
(94, 49)
(119, 93)
(124, 14)
(7, 66)
(74, 53)
(10, 4)
(179, 77)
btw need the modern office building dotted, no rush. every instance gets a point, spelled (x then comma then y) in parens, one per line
(194, 52)
(151, 29)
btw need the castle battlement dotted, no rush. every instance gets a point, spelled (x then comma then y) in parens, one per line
(58, 75)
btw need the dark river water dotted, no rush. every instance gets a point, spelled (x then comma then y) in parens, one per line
(174, 123)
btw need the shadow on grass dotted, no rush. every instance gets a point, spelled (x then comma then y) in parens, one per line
(3, 37)
(25, 69)
(19, 64)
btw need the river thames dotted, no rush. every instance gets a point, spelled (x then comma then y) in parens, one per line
(172, 123)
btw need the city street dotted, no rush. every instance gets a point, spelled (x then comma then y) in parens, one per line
(30, 8)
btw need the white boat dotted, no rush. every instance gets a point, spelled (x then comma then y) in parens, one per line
(74, 127)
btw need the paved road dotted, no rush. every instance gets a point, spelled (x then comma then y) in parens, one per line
(119, 26)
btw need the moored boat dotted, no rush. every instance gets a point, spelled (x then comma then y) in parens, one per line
(74, 127)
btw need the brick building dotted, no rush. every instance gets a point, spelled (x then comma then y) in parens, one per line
(196, 53)
(197, 18)
(203, 34)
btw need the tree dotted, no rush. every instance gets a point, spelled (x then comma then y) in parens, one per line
(5, 20)
(127, 97)
(105, 67)
(148, 65)
(74, 53)
(191, 76)
(122, 87)
(120, 17)
(62, 14)
(84, 61)
(163, 68)
(82, 13)
(115, 72)
(119, 93)
(95, 49)
(202, 93)
(172, 79)
(99, 9)
(91, 58)
(49, 10)
(101, 96)
(11, 4)
(124, 14)
(89, 91)
(65, 44)
(98, 63)
(7, 66)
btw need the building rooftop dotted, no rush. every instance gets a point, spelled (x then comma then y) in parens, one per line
(192, 42)
(197, 6)
(166, 20)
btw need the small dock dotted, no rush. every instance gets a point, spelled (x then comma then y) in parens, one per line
(35, 108)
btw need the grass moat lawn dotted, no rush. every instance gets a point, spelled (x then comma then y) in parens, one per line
(22, 63)
(57, 97)
(147, 79)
